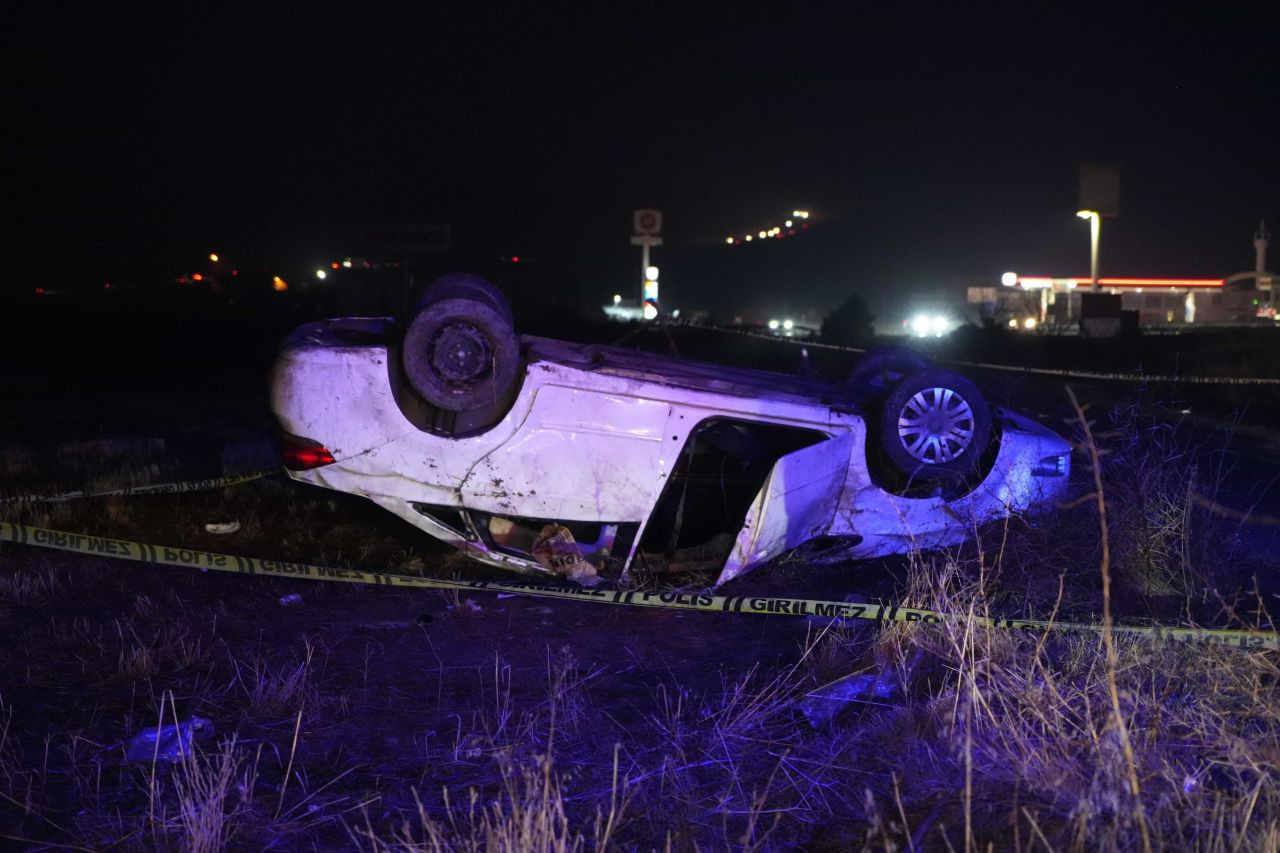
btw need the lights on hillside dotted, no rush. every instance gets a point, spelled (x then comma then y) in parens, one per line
(775, 232)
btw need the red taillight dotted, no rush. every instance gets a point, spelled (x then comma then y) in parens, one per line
(303, 454)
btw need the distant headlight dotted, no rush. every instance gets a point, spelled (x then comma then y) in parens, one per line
(924, 325)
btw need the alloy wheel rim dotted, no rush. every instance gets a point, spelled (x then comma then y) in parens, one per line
(936, 425)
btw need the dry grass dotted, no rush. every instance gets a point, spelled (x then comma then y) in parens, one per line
(26, 588)
(511, 729)
(213, 793)
(1032, 715)
(277, 690)
(528, 814)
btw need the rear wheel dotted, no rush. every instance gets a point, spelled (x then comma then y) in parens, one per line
(935, 425)
(461, 353)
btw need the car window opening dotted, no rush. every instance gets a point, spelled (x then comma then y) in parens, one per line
(446, 516)
(720, 470)
(605, 545)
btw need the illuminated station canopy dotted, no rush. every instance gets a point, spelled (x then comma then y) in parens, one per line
(1027, 282)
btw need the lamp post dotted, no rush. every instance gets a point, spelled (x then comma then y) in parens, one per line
(1095, 225)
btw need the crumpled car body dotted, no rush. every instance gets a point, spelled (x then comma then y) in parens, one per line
(650, 462)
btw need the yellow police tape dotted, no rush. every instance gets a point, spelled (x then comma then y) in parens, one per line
(169, 556)
(156, 489)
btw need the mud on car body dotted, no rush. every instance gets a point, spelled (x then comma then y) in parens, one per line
(500, 444)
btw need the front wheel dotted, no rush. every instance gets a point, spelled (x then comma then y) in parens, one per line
(935, 425)
(880, 368)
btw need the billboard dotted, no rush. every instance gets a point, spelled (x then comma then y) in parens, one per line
(1100, 189)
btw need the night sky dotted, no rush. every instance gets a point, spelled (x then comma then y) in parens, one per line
(935, 149)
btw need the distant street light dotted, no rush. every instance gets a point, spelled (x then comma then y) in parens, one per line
(1095, 225)
(213, 258)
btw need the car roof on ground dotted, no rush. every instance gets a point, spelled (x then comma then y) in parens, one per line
(685, 373)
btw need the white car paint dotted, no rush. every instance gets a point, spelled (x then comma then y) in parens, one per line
(593, 435)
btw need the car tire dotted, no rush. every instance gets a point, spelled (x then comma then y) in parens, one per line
(934, 425)
(462, 354)
(461, 285)
(880, 368)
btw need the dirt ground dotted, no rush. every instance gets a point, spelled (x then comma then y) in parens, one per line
(400, 719)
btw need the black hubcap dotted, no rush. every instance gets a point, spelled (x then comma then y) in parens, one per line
(460, 353)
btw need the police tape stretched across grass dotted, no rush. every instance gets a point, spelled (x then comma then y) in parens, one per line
(204, 485)
(765, 605)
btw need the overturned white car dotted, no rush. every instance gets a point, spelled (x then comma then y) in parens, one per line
(545, 456)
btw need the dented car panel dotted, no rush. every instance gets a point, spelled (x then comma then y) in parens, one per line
(614, 444)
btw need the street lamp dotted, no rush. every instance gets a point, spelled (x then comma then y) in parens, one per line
(1095, 224)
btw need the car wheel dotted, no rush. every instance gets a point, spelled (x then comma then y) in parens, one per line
(461, 354)
(880, 368)
(461, 285)
(934, 425)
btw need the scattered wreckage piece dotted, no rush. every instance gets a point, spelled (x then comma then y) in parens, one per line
(545, 456)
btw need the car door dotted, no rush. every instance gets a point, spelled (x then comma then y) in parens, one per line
(796, 503)
(581, 454)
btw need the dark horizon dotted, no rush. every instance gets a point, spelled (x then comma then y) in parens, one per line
(933, 153)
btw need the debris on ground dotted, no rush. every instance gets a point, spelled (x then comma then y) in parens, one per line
(882, 684)
(222, 527)
(167, 743)
(558, 551)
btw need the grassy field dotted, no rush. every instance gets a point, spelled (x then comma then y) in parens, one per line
(387, 719)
